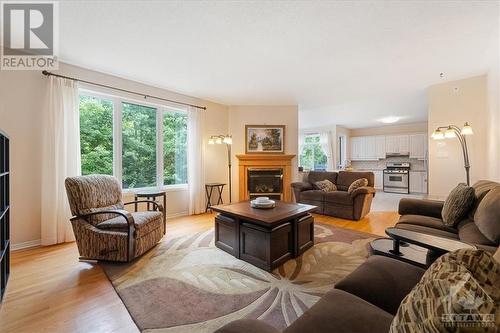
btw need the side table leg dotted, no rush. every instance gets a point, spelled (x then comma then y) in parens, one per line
(395, 249)
(135, 205)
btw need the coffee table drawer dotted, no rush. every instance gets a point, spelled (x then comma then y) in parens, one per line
(266, 248)
(226, 232)
(305, 234)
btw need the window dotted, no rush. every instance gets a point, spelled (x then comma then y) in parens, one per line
(139, 146)
(174, 148)
(142, 144)
(96, 135)
(312, 156)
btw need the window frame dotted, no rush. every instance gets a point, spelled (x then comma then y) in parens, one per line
(161, 109)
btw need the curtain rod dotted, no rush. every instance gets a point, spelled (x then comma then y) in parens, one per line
(47, 73)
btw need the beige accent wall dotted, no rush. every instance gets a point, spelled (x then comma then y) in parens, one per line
(239, 116)
(455, 103)
(22, 98)
(391, 129)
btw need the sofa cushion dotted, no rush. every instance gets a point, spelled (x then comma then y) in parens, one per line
(487, 216)
(481, 188)
(338, 197)
(426, 221)
(316, 195)
(340, 312)
(469, 233)
(382, 281)
(458, 204)
(315, 176)
(457, 283)
(346, 178)
(325, 186)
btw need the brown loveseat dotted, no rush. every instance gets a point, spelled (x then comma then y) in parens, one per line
(340, 203)
(372, 298)
(425, 216)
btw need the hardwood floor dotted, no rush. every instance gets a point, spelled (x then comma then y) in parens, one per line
(51, 291)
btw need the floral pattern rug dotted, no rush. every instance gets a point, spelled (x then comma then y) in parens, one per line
(186, 284)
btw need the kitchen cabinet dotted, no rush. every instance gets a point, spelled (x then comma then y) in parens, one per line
(379, 179)
(363, 148)
(397, 144)
(418, 182)
(418, 146)
(380, 146)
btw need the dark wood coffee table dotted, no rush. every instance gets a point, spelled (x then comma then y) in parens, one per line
(266, 238)
(415, 247)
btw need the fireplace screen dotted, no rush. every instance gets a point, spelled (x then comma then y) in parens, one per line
(265, 182)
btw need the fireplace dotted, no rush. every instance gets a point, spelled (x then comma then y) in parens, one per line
(265, 182)
(266, 175)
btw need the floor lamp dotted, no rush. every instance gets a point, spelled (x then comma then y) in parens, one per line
(452, 131)
(228, 141)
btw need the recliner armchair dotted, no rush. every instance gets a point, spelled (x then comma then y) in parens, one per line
(103, 229)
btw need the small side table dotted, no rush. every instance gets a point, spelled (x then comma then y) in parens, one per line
(152, 195)
(209, 187)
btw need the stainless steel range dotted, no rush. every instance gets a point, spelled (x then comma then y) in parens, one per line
(397, 177)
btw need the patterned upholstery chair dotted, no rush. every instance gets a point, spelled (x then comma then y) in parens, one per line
(103, 229)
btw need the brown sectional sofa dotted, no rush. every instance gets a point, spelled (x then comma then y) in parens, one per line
(353, 206)
(425, 216)
(368, 300)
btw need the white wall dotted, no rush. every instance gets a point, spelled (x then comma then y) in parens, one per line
(455, 103)
(239, 116)
(22, 97)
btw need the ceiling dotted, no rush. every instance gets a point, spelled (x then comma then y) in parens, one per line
(347, 63)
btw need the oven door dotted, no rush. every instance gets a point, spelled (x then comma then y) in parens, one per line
(396, 182)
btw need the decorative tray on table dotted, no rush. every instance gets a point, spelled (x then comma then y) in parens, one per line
(263, 203)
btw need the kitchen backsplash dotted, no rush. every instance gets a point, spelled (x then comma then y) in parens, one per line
(380, 164)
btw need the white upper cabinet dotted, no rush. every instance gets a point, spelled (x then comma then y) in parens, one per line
(418, 146)
(397, 144)
(363, 148)
(376, 147)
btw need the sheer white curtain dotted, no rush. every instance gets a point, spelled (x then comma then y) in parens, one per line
(196, 170)
(325, 140)
(61, 158)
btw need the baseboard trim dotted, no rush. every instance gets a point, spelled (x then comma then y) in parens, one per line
(180, 214)
(26, 245)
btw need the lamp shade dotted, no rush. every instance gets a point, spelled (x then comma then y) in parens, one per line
(218, 140)
(211, 141)
(437, 134)
(449, 133)
(228, 140)
(466, 130)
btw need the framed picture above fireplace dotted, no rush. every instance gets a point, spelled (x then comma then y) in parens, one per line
(264, 139)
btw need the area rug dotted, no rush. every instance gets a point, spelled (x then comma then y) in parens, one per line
(186, 284)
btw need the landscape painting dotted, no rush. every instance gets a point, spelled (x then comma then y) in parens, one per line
(265, 139)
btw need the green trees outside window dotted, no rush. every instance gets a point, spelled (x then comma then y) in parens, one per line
(145, 132)
(96, 135)
(312, 156)
(174, 148)
(139, 146)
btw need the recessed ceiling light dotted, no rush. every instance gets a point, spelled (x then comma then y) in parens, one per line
(389, 120)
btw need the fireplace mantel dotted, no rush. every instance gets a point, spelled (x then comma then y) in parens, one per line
(264, 161)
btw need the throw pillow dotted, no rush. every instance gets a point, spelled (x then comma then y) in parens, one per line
(487, 217)
(325, 186)
(458, 204)
(458, 293)
(357, 184)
